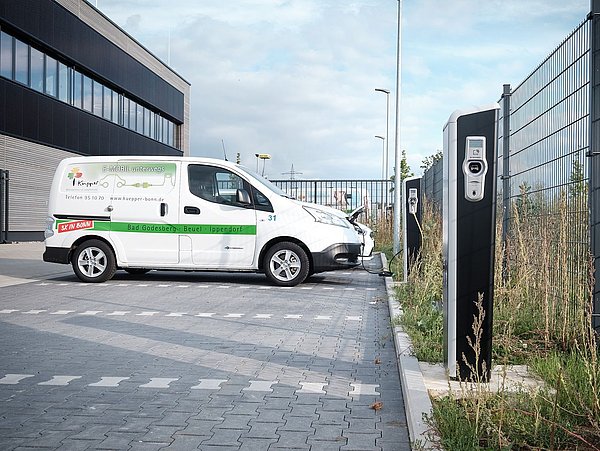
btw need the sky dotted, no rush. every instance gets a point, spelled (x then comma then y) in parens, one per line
(296, 79)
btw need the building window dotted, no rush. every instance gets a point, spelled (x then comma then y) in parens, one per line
(36, 64)
(77, 96)
(21, 62)
(6, 55)
(147, 122)
(63, 83)
(116, 109)
(51, 72)
(132, 115)
(168, 134)
(159, 128)
(45, 74)
(139, 118)
(125, 111)
(107, 103)
(87, 93)
(97, 98)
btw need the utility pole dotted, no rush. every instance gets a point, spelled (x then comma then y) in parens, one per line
(291, 173)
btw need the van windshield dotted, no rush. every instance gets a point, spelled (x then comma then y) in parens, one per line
(260, 179)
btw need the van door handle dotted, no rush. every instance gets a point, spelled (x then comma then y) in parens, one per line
(191, 210)
(163, 209)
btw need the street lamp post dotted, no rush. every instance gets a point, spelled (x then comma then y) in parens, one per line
(263, 157)
(387, 128)
(383, 167)
(397, 186)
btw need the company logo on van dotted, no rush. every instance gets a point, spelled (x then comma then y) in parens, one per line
(75, 174)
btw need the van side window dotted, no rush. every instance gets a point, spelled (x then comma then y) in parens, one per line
(215, 184)
(261, 202)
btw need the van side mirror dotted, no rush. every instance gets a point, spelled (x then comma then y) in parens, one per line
(243, 197)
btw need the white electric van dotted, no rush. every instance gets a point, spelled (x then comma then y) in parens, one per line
(144, 213)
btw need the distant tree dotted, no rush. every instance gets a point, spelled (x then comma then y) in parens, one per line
(429, 161)
(578, 185)
(523, 203)
(405, 171)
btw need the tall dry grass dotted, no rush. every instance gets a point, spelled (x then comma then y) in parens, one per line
(542, 318)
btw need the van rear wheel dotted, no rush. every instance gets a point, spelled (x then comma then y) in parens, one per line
(94, 261)
(286, 264)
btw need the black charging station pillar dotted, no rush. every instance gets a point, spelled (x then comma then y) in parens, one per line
(412, 208)
(469, 221)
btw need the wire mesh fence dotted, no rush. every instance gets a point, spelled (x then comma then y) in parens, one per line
(432, 184)
(376, 196)
(547, 203)
(543, 207)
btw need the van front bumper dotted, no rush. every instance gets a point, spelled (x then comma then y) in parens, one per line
(336, 256)
(57, 255)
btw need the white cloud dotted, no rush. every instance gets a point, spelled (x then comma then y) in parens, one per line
(296, 78)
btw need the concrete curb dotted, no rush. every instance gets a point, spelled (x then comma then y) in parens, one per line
(416, 398)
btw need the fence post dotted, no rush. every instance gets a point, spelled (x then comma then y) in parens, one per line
(505, 175)
(594, 156)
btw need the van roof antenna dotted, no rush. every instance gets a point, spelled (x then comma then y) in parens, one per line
(224, 153)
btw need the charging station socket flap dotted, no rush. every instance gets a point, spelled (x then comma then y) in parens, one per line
(413, 200)
(474, 168)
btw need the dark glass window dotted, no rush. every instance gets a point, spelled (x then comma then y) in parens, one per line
(98, 96)
(51, 71)
(21, 62)
(261, 202)
(31, 67)
(6, 55)
(77, 96)
(116, 110)
(139, 120)
(147, 122)
(215, 184)
(107, 103)
(132, 115)
(87, 93)
(125, 109)
(159, 128)
(169, 140)
(36, 64)
(63, 82)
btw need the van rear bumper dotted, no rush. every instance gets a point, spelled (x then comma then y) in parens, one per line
(336, 256)
(56, 255)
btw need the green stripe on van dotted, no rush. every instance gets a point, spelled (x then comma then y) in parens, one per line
(185, 229)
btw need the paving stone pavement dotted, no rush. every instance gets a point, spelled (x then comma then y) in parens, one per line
(184, 361)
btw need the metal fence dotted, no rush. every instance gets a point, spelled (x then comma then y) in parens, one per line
(543, 167)
(546, 166)
(432, 183)
(377, 196)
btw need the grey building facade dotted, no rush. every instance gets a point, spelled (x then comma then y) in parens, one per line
(73, 83)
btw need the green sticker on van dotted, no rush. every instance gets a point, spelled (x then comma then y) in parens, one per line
(184, 229)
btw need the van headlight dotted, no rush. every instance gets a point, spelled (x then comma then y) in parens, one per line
(326, 218)
(49, 227)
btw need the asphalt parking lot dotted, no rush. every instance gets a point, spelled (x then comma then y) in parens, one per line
(184, 361)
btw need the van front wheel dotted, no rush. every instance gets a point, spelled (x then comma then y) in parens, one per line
(94, 261)
(286, 264)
